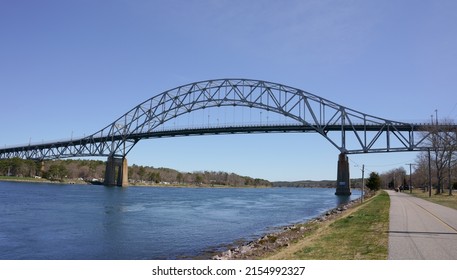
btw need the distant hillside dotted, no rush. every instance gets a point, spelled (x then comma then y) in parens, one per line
(306, 184)
(355, 183)
(90, 170)
(94, 170)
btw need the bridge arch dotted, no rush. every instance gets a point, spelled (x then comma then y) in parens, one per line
(305, 111)
(144, 120)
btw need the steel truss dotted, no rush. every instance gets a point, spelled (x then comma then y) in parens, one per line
(350, 131)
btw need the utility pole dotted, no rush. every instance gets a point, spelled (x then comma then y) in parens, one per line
(363, 180)
(449, 176)
(410, 186)
(429, 174)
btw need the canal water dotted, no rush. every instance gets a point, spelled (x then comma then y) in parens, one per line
(86, 222)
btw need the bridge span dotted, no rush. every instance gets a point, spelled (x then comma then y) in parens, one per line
(348, 130)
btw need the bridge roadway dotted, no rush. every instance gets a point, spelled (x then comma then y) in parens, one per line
(421, 230)
(7, 152)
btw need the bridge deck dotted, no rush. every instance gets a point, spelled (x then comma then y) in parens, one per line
(210, 131)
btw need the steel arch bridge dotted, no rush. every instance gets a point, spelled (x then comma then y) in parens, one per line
(348, 130)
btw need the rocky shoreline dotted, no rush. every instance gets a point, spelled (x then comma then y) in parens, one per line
(272, 242)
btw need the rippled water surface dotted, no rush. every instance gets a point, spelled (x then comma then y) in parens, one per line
(52, 221)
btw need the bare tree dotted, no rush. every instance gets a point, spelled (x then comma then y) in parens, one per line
(452, 161)
(420, 176)
(442, 141)
(394, 177)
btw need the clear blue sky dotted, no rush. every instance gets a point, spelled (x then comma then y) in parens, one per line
(72, 67)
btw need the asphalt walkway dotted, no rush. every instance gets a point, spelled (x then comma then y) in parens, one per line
(421, 230)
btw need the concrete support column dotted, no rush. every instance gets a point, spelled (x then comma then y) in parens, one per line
(110, 172)
(41, 168)
(124, 170)
(343, 186)
(116, 172)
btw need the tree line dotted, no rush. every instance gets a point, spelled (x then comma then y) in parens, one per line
(94, 170)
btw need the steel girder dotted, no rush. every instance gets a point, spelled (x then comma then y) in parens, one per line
(350, 131)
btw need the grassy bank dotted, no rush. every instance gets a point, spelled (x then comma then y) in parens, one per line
(360, 234)
(23, 179)
(442, 199)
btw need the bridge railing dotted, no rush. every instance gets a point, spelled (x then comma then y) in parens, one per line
(171, 127)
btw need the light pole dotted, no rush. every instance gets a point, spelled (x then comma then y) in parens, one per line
(363, 182)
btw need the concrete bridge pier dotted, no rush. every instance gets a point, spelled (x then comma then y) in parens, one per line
(343, 186)
(40, 173)
(116, 172)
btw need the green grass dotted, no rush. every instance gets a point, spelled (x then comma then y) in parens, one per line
(443, 199)
(12, 178)
(362, 235)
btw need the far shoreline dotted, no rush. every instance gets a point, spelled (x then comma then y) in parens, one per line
(161, 184)
(98, 183)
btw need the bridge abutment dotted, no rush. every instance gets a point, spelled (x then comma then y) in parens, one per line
(116, 172)
(343, 186)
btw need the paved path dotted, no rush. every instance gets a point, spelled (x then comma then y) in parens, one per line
(421, 230)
